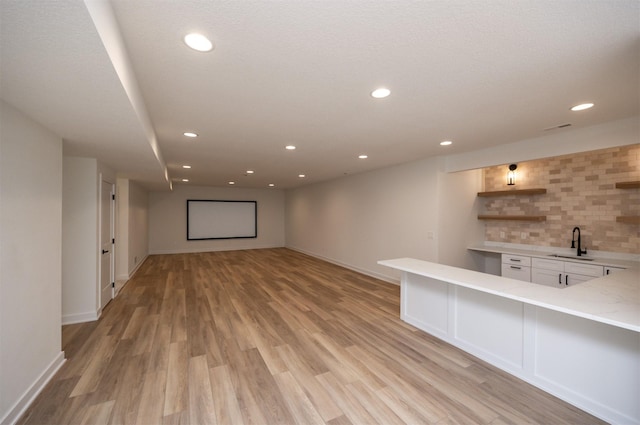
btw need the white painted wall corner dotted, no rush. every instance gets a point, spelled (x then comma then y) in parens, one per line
(32, 392)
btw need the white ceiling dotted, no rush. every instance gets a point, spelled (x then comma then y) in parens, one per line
(480, 73)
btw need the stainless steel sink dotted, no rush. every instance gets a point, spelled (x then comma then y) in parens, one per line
(571, 257)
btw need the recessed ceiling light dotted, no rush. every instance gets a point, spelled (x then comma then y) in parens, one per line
(198, 42)
(249, 171)
(301, 176)
(446, 143)
(290, 147)
(186, 166)
(232, 182)
(363, 156)
(271, 185)
(190, 134)
(582, 107)
(380, 93)
(185, 180)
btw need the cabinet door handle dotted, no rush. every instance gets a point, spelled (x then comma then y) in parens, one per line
(559, 278)
(514, 259)
(608, 271)
(566, 279)
(516, 267)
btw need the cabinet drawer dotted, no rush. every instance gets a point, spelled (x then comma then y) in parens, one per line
(584, 269)
(516, 259)
(516, 272)
(542, 263)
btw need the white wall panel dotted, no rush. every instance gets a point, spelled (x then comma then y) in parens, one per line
(490, 324)
(424, 303)
(591, 356)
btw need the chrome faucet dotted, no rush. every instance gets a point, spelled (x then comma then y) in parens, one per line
(573, 241)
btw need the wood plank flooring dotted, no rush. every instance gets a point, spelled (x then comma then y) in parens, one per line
(273, 337)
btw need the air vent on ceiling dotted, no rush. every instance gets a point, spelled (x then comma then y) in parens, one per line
(555, 127)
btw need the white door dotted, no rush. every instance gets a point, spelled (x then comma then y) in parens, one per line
(106, 243)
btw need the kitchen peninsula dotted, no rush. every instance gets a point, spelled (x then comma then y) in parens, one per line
(580, 343)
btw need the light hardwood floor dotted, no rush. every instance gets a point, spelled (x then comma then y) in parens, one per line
(273, 336)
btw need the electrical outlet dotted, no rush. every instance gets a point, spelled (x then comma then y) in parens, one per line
(523, 235)
(501, 235)
(429, 235)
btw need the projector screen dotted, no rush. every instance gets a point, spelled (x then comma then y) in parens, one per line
(212, 219)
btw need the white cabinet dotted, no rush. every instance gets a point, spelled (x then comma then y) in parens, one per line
(546, 277)
(562, 273)
(516, 267)
(583, 269)
(580, 272)
(547, 272)
(573, 278)
(552, 272)
(610, 270)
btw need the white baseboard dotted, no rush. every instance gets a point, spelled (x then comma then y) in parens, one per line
(370, 273)
(124, 276)
(32, 392)
(135, 269)
(194, 250)
(127, 276)
(70, 319)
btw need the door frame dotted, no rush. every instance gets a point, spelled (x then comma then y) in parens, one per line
(112, 211)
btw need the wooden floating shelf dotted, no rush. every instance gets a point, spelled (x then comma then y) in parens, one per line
(513, 217)
(629, 219)
(628, 185)
(519, 192)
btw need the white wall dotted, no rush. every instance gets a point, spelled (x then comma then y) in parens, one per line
(122, 229)
(458, 224)
(168, 219)
(389, 213)
(132, 234)
(138, 247)
(30, 259)
(82, 182)
(79, 239)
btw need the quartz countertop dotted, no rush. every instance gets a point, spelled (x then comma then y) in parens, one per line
(612, 299)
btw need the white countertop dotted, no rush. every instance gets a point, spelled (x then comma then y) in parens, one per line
(613, 299)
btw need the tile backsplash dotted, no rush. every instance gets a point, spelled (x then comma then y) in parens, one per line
(581, 191)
